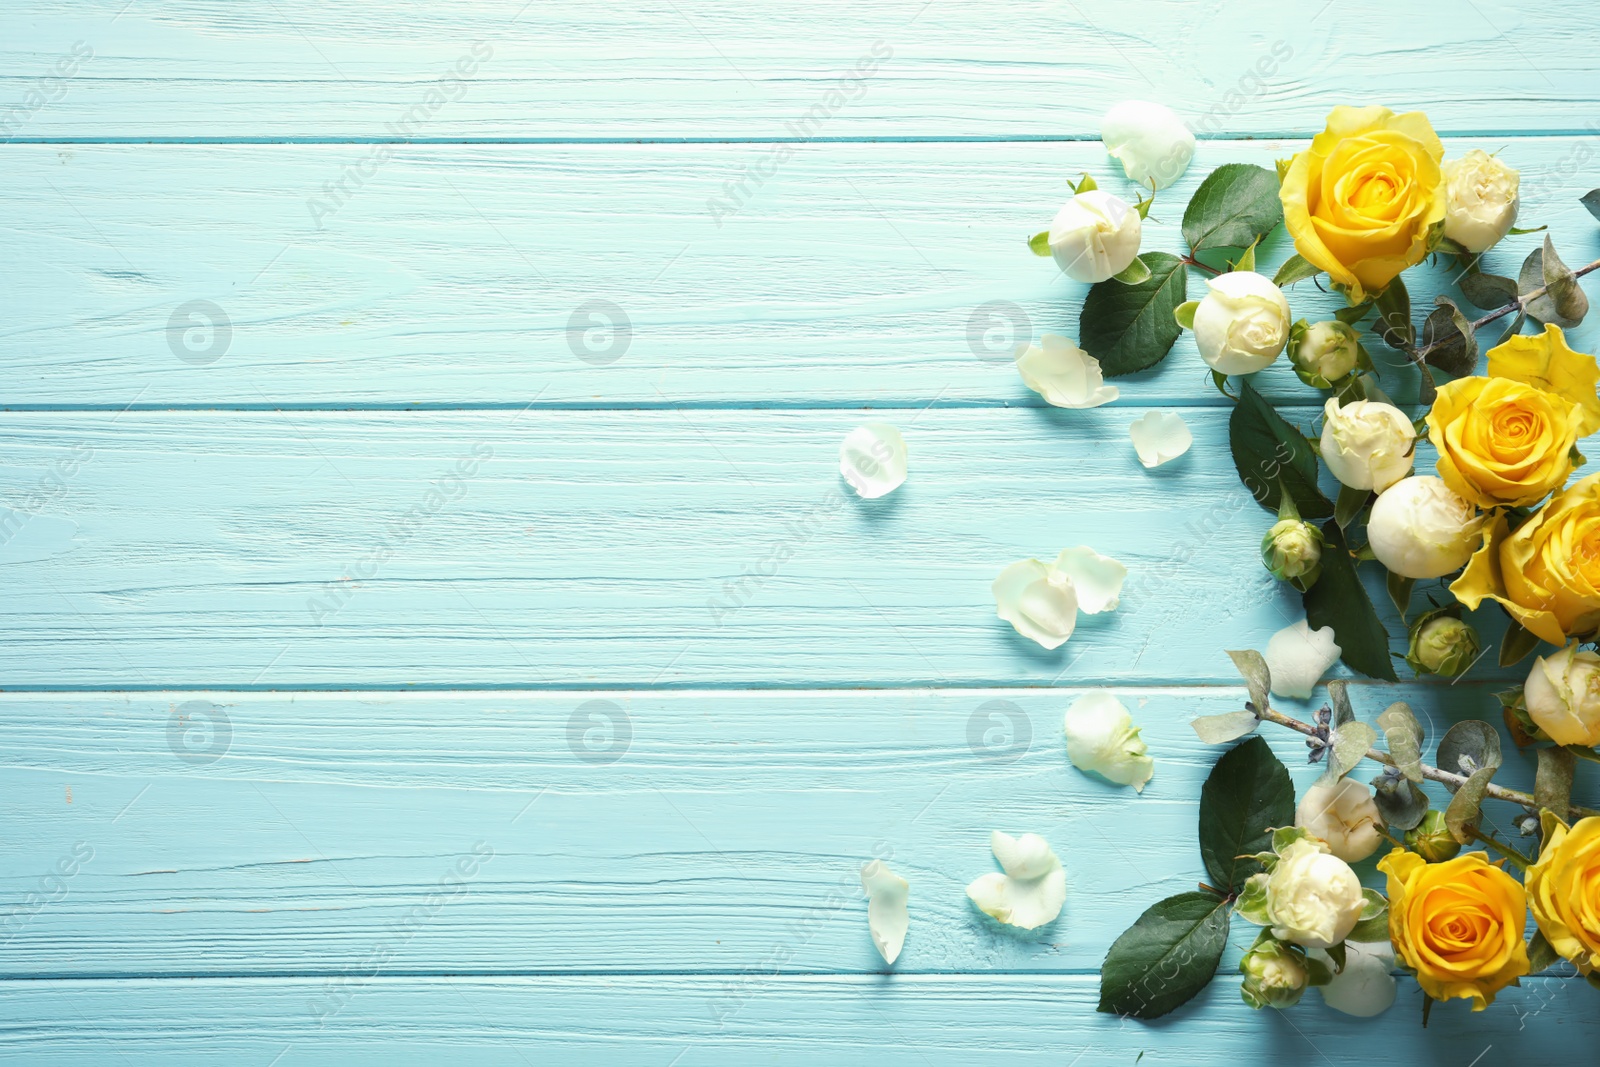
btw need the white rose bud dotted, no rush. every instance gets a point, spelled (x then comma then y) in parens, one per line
(1481, 200)
(1313, 897)
(1323, 352)
(1367, 444)
(1562, 695)
(1292, 552)
(1343, 815)
(1420, 528)
(1102, 739)
(1242, 324)
(1152, 142)
(1094, 236)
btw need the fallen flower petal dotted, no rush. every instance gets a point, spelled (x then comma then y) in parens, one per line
(1101, 739)
(887, 917)
(1298, 656)
(1160, 437)
(1033, 889)
(1038, 601)
(1095, 578)
(872, 459)
(1064, 374)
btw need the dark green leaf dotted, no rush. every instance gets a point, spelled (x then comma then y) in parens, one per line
(1516, 644)
(1427, 391)
(1400, 592)
(1235, 206)
(1591, 200)
(1352, 315)
(1340, 600)
(1466, 807)
(1247, 794)
(1394, 316)
(1541, 954)
(1519, 231)
(1273, 457)
(1449, 338)
(1350, 503)
(1488, 291)
(1039, 243)
(1166, 957)
(1131, 327)
(1552, 784)
(1514, 329)
(1296, 268)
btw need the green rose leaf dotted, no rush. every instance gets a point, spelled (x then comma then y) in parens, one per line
(1516, 644)
(1449, 338)
(1296, 269)
(1233, 208)
(1591, 200)
(1166, 957)
(1273, 457)
(1039, 243)
(1340, 600)
(1374, 922)
(1563, 302)
(1350, 501)
(1247, 794)
(1541, 954)
(1131, 327)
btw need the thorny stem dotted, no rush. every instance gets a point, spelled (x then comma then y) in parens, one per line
(1209, 269)
(1419, 354)
(1432, 774)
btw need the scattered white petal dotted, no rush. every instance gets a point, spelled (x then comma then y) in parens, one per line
(1365, 987)
(873, 459)
(1038, 601)
(1298, 657)
(1153, 144)
(1095, 578)
(1160, 437)
(1102, 739)
(1064, 374)
(1033, 889)
(886, 908)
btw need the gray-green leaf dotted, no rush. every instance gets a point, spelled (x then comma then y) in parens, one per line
(1488, 291)
(1591, 200)
(1404, 736)
(1469, 746)
(1399, 801)
(1252, 666)
(1461, 817)
(1132, 327)
(1228, 726)
(1236, 205)
(1563, 303)
(1552, 783)
(1449, 338)
(1350, 744)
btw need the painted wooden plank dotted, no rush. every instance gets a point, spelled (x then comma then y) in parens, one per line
(829, 68)
(884, 274)
(608, 549)
(650, 1021)
(518, 833)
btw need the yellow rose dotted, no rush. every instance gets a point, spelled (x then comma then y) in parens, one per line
(1564, 890)
(1367, 199)
(1457, 924)
(1501, 441)
(1544, 361)
(1547, 573)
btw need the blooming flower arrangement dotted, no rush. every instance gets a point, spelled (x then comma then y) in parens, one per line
(1369, 198)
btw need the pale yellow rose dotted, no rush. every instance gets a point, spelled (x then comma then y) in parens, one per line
(1458, 924)
(1545, 361)
(1502, 442)
(1564, 890)
(1546, 573)
(1367, 199)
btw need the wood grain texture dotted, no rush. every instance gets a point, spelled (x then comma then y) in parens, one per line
(719, 832)
(882, 274)
(611, 550)
(915, 1021)
(718, 69)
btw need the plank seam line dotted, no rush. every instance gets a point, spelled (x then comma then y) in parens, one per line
(1086, 138)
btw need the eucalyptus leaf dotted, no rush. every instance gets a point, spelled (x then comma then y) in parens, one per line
(1514, 329)
(1403, 735)
(1247, 794)
(1166, 957)
(1427, 391)
(1228, 726)
(1133, 273)
(1468, 746)
(1131, 327)
(1448, 337)
(1339, 696)
(1591, 200)
(1350, 744)
(1399, 801)
(1252, 666)
(1394, 316)
(1039, 243)
(1296, 268)
(1273, 456)
(1563, 303)
(1340, 600)
(1235, 206)
(1488, 291)
(1552, 783)
(1466, 807)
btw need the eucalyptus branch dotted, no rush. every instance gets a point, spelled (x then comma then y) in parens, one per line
(1432, 774)
(1517, 304)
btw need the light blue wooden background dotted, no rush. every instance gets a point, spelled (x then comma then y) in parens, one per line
(271, 793)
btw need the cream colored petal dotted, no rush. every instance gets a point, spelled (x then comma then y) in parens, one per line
(1365, 987)
(1298, 656)
(887, 916)
(1096, 579)
(1033, 889)
(1064, 374)
(1160, 437)
(872, 459)
(1038, 601)
(1101, 739)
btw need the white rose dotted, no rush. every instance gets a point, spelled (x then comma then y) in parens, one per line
(1094, 236)
(1152, 142)
(1102, 739)
(1242, 324)
(1367, 444)
(1563, 696)
(1420, 528)
(1323, 351)
(1343, 815)
(1481, 200)
(1313, 897)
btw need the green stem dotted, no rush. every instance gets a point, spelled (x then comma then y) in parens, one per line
(1419, 354)
(1208, 268)
(1517, 858)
